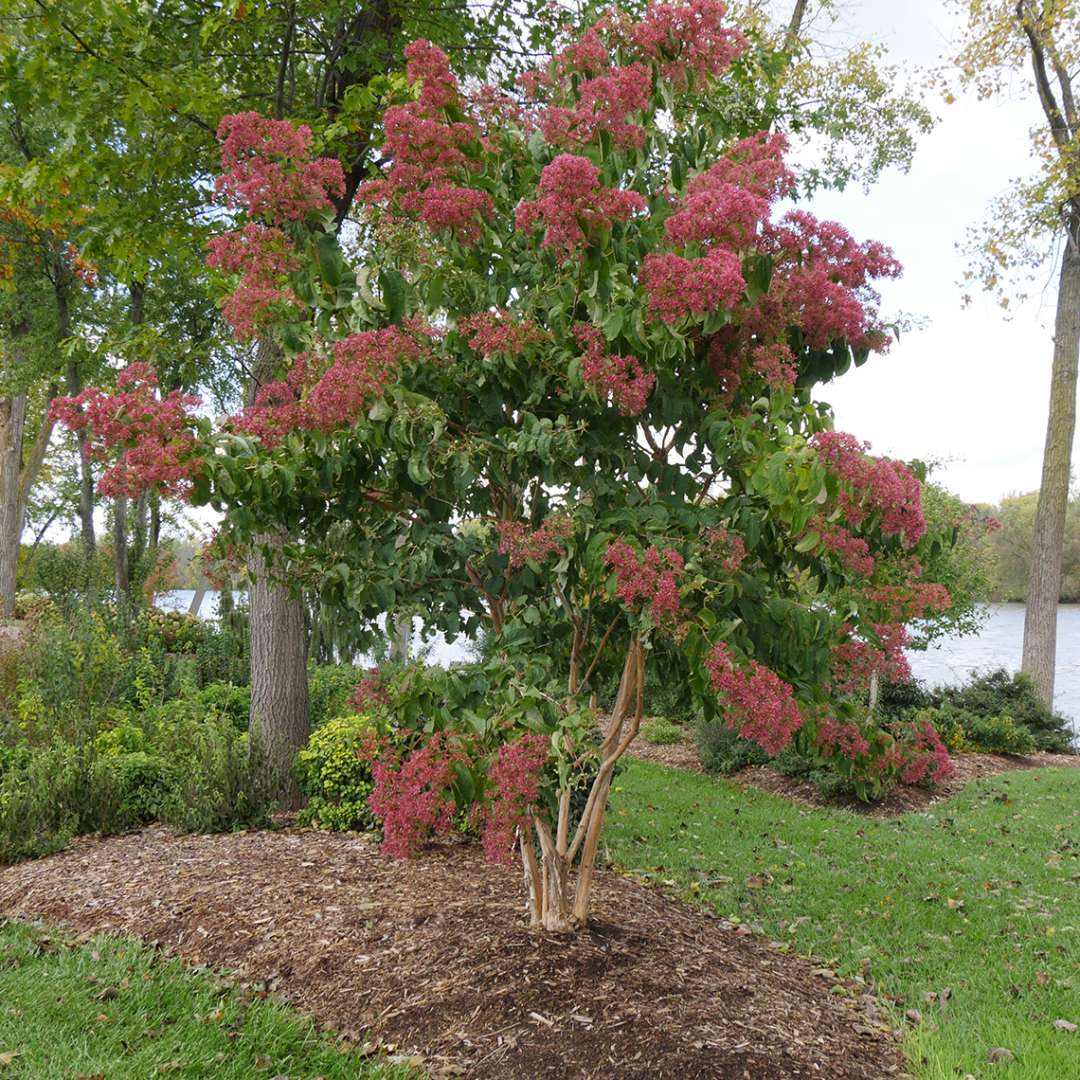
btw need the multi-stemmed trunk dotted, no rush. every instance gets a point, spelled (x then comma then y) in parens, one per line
(559, 899)
(1044, 583)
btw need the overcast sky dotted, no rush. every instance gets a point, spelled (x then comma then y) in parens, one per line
(971, 388)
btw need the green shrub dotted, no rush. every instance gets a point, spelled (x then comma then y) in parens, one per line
(51, 794)
(217, 786)
(329, 688)
(336, 782)
(661, 732)
(899, 698)
(142, 785)
(963, 730)
(997, 693)
(721, 750)
(228, 700)
(999, 735)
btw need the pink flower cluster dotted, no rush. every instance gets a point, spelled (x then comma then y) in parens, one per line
(852, 551)
(755, 164)
(622, 378)
(775, 364)
(431, 153)
(573, 206)
(834, 737)
(370, 693)
(820, 283)
(728, 547)
(267, 169)
(688, 39)
(756, 701)
(914, 600)
(515, 778)
(147, 437)
(877, 485)
(653, 577)
(717, 212)
(681, 288)
(412, 796)
(524, 546)
(922, 756)
(360, 368)
(491, 332)
(264, 257)
(855, 661)
(603, 105)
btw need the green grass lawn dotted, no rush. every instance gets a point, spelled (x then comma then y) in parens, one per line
(979, 895)
(114, 1009)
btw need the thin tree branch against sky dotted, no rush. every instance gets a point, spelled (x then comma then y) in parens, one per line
(971, 386)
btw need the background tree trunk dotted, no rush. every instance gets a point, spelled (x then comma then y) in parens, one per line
(1044, 585)
(280, 709)
(120, 550)
(12, 421)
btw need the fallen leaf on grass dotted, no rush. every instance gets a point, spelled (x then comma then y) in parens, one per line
(1065, 1025)
(1000, 1054)
(7, 1057)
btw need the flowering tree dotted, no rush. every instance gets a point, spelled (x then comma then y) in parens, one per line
(565, 400)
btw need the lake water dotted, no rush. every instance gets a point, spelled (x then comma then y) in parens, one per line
(949, 662)
(999, 644)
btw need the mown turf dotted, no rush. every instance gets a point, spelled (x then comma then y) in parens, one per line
(979, 896)
(114, 1010)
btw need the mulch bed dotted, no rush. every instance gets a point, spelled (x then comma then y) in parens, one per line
(433, 957)
(901, 800)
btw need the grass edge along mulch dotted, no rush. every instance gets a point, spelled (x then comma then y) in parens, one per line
(433, 956)
(903, 799)
(89, 1005)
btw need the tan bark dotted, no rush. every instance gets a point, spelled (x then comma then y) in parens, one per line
(1044, 585)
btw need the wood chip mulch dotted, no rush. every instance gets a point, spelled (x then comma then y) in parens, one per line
(433, 957)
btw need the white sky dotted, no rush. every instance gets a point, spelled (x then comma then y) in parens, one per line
(972, 387)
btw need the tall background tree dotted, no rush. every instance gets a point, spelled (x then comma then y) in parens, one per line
(1038, 219)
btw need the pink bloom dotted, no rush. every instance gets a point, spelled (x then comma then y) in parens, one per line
(524, 546)
(573, 206)
(412, 796)
(491, 332)
(621, 377)
(756, 701)
(603, 105)
(149, 438)
(370, 693)
(728, 547)
(653, 577)
(679, 288)
(515, 777)
(688, 40)
(267, 169)
(875, 486)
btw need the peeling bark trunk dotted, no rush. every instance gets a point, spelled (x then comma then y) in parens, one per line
(1044, 584)
(557, 901)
